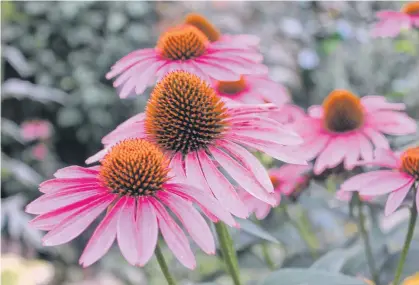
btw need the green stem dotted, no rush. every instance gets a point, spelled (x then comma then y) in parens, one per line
(267, 256)
(163, 265)
(409, 236)
(365, 238)
(228, 251)
(305, 233)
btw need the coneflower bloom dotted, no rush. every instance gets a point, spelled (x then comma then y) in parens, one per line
(199, 132)
(259, 89)
(213, 33)
(135, 185)
(342, 129)
(287, 179)
(403, 173)
(391, 23)
(185, 48)
(35, 129)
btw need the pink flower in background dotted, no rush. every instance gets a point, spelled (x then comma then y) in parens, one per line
(134, 184)
(213, 34)
(391, 23)
(347, 196)
(200, 133)
(36, 129)
(39, 151)
(186, 48)
(346, 127)
(286, 180)
(396, 182)
(259, 89)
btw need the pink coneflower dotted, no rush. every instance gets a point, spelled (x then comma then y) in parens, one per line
(343, 128)
(286, 180)
(199, 132)
(213, 33)
(393, 22)
(39, 151)
(397, 181)
(134, 184)
(259, 89)
(186, 48)
(35, 129)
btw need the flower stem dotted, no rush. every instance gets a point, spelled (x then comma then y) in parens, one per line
(365, 238)
(163, 265)
(267, 256)
(228, 251)
(409, 236)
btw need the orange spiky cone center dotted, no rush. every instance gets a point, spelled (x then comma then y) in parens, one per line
(205, 26)
(411, 8)
(231, 87)
(410, 162)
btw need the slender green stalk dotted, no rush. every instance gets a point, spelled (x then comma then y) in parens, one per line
(228, 251)
(163, 265)
(267, 256)
(304, 231)
(409, 236)
(365, 238)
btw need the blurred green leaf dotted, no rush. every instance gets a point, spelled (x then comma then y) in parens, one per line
(405, 46)
(255, 230)
(295, 276)
(332, 261)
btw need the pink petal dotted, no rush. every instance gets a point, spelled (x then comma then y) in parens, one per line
(147, 229)
(57, 184)
(127, 231)
(352, 155)
(217, 71)
(386, 158)
(75, 171)
(331, 156)
(176, 165)
(392, 123)
(262, 210)
(203, 199)
(50, 202)
(242, 109)
(75, 224)
(365, 147)
(386, 184)
(103, 236)
(312, 148)
(242, 176)
(136, 70)
(49, 220)
(193, 222)
(277, 151)
(417, 198)
(142, 81)
(315, 111)
(128, 64)
(360, 181)
(373, 102)
(396, 198)
(98, 156)
(174, 236)
(377, 138)
(221, 187)
(250, 162)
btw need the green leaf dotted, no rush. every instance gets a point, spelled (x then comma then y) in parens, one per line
(410, 266)
(253, 229)
(332, 261)
(405, 46)
(296, 276)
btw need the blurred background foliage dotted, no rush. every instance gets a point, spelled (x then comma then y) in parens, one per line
(54, 58)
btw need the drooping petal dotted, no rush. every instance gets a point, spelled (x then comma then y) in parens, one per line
(203, 199)
(360, 181)
(396, 198)
(174, 236)
(57, 184)
(250, 162)
(365, 147)
(75, 224)
(378, 139)
(75, 171)
(147, 230)
(221, 187)
(49, 220)
(387, 184)
(193, 222)
(53, 201)
(127, 231)
(218, 71)
(103, 237)
(373, 103)
(332, 155)
(242, 176)
(352, 154)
